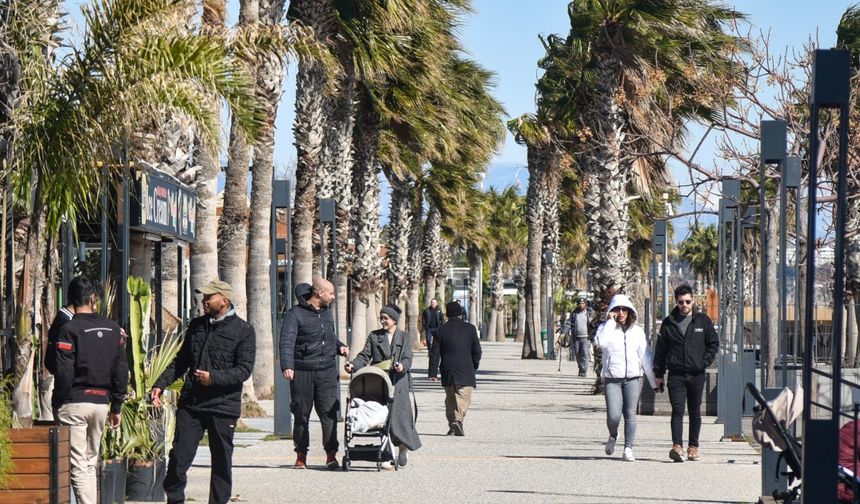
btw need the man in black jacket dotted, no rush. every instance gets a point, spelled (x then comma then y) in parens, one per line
(457, 351)
(216, 357)
(91, 371)
(432, 318)
(309, 348)
(686, 347)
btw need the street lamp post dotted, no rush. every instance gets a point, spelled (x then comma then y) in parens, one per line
(550, 322)
(773, 141)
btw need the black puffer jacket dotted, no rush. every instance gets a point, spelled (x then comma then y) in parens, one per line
(689, 353)
(226, 349)
(308, 341)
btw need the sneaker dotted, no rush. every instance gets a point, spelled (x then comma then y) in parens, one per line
(677, 453)
(331, 461)
(457, 427)
(450, 432)
(610, 446)
(402, 459)
(628, 455)
(301, 460)
(582, 373)
(692, 453)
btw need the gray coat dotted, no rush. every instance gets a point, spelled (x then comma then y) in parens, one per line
(377, 349)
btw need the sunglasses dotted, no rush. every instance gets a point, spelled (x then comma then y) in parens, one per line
(685, 301)
(620, 308)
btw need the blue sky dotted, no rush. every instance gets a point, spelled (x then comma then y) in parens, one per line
(502, 35)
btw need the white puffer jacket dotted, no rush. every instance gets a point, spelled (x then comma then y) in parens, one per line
(625, 353)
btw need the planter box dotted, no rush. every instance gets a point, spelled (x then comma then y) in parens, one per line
(41, 466)
(145, 481)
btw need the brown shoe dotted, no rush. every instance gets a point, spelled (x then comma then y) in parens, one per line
(677, 453)
(331, 461)
(301, 460)
(693, 453)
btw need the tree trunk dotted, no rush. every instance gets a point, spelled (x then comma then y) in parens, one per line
(771, 328)
(441, 282)
(532, 344)
(413, 312)
(232, 227)
(309, 133)
(359, 326)
(430, 290)
(367, 269)
(27, 304)
(270, 74)
(519, 337)
(850, 334)
(400, 225)
(204, 251)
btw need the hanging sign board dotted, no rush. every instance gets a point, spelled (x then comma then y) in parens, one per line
(162, 206)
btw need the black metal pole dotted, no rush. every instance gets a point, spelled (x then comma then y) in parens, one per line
(180, 280)
(783, 295)
(288, 268)
(105, 257)
(159, 294)
(122, 289)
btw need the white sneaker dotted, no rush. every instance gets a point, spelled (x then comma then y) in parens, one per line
(628, 455)
(610, 446)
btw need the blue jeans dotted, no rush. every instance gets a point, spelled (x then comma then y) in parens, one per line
(622, 397)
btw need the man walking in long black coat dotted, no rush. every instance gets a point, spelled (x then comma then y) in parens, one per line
(457, 351)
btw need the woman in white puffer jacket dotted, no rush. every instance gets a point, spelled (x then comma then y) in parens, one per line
(625, 358)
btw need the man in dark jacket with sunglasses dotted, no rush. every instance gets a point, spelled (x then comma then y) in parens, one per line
(216, 357)
(687, 345)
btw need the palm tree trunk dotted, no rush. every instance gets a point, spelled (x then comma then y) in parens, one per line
(270, 75)
(441, 283)
(519, 337)
(309, 134)
(400, 225)
(771, 329)
(497, 299)
(532, 344)
(233, 225)
(416, 243)
(204, 251)
(474, 258)
(367, 268)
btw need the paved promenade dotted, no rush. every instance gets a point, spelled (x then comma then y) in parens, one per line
(532, 435)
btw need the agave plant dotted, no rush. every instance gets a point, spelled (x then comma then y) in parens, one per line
(144, 429)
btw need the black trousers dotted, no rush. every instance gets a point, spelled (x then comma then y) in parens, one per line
(686, 390)
(317, 389)
(189, 431)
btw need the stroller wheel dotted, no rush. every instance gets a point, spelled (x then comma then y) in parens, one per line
(345, 464)
(378, 466)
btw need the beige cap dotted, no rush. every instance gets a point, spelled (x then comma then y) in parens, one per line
(216, 287)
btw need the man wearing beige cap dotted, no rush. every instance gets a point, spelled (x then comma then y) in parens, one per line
(216, 357)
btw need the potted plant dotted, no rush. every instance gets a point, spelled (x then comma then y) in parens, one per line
(145, 430)
(113, 468)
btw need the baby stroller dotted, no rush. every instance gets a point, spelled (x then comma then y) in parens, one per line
(771, 423)
(366, 435)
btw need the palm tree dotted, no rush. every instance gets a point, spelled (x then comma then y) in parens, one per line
(700, 250)
(509, 237)
(539, 146)
(639, 54)
(129, 69)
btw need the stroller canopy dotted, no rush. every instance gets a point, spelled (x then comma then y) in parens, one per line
(786, 408)
(371, 384)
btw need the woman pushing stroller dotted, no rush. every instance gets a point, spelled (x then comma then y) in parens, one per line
(391, 346)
